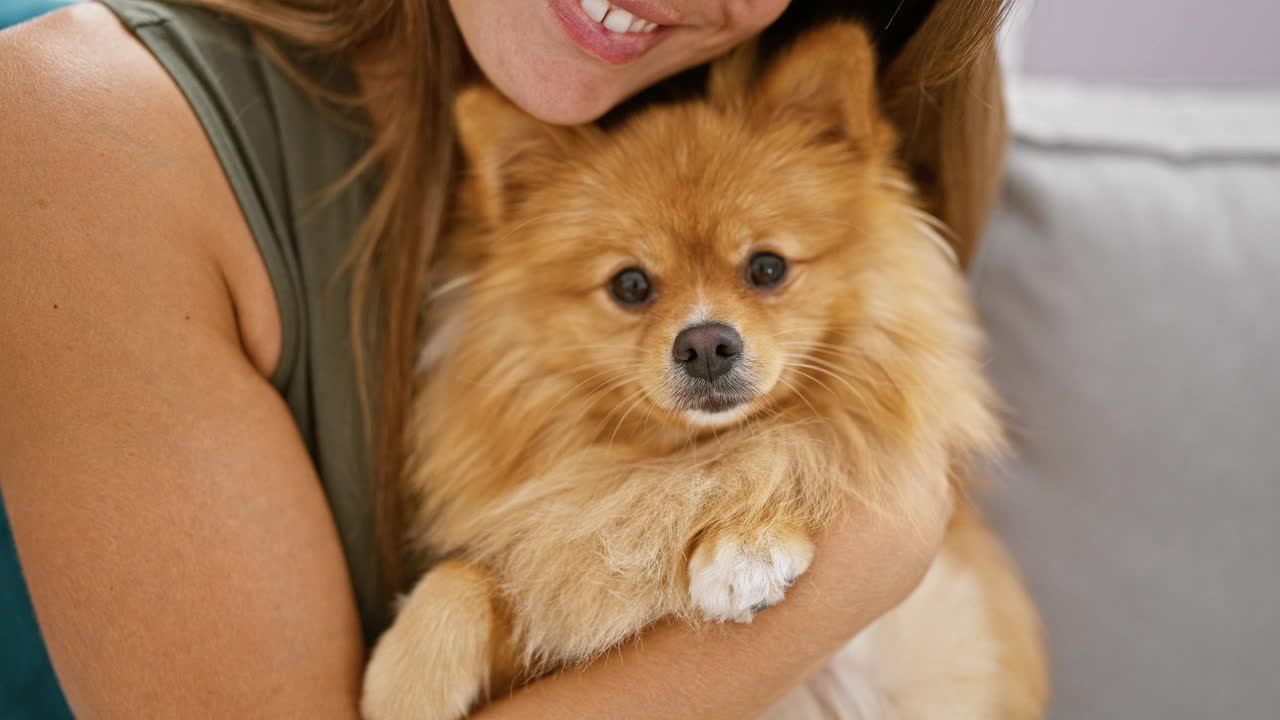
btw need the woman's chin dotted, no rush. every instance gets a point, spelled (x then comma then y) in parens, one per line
(560, 105)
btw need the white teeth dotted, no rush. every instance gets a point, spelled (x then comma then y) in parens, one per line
(595, 9)
(618, 20)
(614, 19)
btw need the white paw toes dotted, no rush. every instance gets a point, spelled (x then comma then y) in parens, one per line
(732, 577)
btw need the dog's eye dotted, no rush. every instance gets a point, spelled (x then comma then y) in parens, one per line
(766, 270)
(631, 287)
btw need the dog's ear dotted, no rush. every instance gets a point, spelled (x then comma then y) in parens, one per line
(828, 77)
(505, 150)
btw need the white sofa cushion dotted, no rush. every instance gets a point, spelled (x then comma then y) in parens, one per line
(1131, 285)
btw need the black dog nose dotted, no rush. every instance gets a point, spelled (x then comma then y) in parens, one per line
(707, 351)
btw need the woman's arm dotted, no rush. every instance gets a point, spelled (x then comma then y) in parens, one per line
(864, 567)
(178, 549)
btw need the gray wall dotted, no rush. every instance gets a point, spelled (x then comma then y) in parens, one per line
(1162, 42)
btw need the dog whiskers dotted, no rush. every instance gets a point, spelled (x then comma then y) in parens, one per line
(800, 353)
(806, 375)
(569, 393)
(589, 401)
(805, 400)
(603, 421)
(587, 405)
(639, 399)
(792, 363)
(647, 414)
(817, 344)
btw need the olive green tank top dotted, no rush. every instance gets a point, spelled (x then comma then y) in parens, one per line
(281, 151)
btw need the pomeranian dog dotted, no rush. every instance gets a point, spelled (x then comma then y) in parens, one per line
(660, 358)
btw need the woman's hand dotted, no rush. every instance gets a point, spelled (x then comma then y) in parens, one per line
(866, 564)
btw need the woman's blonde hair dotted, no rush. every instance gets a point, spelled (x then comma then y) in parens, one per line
(939, 84)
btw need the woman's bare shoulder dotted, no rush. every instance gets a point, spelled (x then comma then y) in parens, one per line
(77, 85)
(94, 132)
(159, 492)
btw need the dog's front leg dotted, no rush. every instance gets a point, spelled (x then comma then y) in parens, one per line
(437, 659)
(738, 569)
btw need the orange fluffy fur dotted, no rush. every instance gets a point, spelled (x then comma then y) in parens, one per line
(572, 500)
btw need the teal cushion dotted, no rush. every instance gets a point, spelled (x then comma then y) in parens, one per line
(13, 12)
(28, 686)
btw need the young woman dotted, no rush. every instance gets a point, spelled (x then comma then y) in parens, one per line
(215, 219)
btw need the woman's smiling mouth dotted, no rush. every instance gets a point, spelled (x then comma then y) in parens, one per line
(610, 32)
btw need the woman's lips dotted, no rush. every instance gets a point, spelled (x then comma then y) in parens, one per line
(615, 48)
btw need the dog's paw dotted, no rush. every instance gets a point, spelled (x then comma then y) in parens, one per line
(433, 663)
(733, 576)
